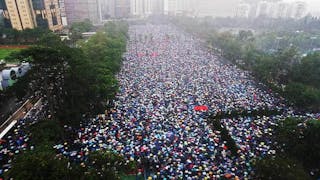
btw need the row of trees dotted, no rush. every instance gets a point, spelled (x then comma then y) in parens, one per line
(269, 34)
(285, 70)
(28, 36)
(295, 77)
(271, 41)
(33, 36)
(297, 145)
(41, 37)
(76, 81)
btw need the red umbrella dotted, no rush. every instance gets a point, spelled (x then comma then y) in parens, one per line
(140, 54)
(225, 147)
(201, 108)
(228, 176)
(154, 54)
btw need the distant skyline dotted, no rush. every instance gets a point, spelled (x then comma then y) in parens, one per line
(312, 5)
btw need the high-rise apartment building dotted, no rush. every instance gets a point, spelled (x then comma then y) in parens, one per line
(79, 10)
(27, 14)
(216, 8)
(141, 8)
(47, 14)
(170, 7)
(184, 6)
(157, 7)
(122, 8)
(107, 9)
(5, 14)
(243, 10)
(263, 9)
(281, 10)
(63, 12)
(20, 14)
(299, 9)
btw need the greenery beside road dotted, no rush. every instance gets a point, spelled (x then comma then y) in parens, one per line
(297, 145)
(26, 37)
(284, 70)
(77, 83)
(6, 52)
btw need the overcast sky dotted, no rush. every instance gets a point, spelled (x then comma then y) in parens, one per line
(313, 5)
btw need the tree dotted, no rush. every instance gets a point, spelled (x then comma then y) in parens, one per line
(78, 28)
(83, 26)
(108, 165)
(39, 164)
(245, 36)
(308, 71)
(42, 162)
(299, 139)
(303, 96)
(265, 68)
(46, 132)
(279, 168)
(50, 40)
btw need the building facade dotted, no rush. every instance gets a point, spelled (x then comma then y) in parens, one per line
(107, 9)
(79, 10)
(299, 9)
(47, 14)
(27, 14)
(63, 12)
(122, 8)
(243, 10)
(157, 7)
(20, 14)
(140, 8)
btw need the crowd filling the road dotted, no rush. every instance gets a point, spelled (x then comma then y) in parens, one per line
(18, 138)
(165, 75)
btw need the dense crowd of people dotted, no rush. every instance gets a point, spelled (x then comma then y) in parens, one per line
(18, 138)
(165, 76)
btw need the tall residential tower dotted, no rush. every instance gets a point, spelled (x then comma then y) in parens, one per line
(28, 14)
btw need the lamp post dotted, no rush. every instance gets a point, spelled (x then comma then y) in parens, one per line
(312, 39)
(278, 41)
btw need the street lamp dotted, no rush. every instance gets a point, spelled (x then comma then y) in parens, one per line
(278, 41)
(312, 39)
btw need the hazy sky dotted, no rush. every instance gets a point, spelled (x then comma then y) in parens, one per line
(313, 5)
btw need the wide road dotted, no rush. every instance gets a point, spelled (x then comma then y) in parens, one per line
(167, 73)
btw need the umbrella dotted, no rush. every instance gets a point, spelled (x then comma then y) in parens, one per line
(201, 108)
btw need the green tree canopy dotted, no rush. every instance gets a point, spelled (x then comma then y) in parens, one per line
(279, 168)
